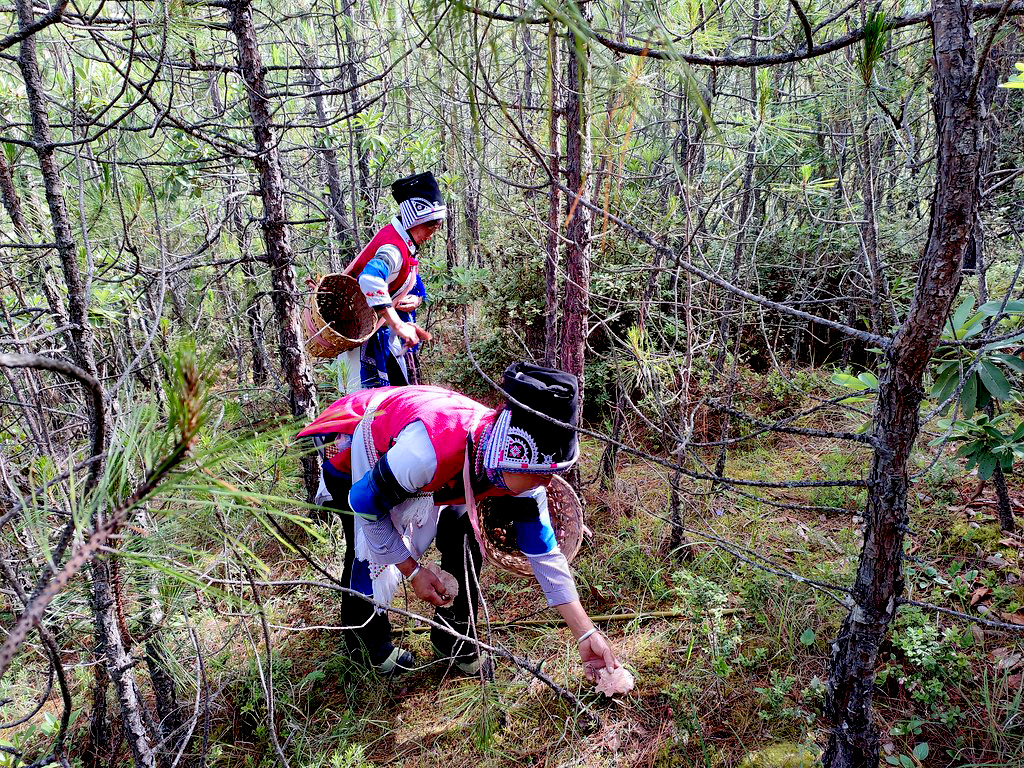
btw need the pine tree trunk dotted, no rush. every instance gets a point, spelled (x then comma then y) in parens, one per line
(42, 139)
(359, 158)
(12, 204)
(120, 666)
(276, 235)
(165, 692)
(881, 319)
(96, 753)
(340, 225)
(253, 313)
(554, 202)
(729, 329)
(854, 739)
(527, 95)
(576, 303)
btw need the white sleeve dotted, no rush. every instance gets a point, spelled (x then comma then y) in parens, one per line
(412, 458)
(378, 274)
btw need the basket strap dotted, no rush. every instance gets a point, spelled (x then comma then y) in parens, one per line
(467, 481)
(367, 420)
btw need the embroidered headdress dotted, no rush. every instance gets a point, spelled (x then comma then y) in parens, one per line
(523, 441)
(419, 199)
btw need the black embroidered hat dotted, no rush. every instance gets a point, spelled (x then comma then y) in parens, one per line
(521, 441)
(419, 199)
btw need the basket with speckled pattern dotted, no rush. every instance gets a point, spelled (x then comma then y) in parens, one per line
(499, 544)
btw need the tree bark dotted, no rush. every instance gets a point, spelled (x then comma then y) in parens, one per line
(472, 163)
(991, 73)
(276, 235)
(120, 666)
(554, 201)
(576, 302)
(165, 693)
(358, 157)
(340, 225)
(881, 318)
(729, 328)
(42, 143)
(97, 746)
(12, 204)
(854, 739)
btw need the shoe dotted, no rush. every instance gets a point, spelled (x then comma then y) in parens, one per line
(397, 662)
(468, 664)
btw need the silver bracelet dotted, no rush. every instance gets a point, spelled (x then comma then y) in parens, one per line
(415, 570)
(585, 635)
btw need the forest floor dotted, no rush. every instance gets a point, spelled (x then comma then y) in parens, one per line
(734, 663)
(729, 659)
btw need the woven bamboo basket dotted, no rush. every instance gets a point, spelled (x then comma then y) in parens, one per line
(336, 317)
(499, 544)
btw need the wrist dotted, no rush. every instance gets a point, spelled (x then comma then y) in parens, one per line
(408, 567)
(588, 634)
(415, 570)
(388, 314)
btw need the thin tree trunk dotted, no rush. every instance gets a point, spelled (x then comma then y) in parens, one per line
(554, 202)
(340, 225)
(96, 753)
(12, 204)
(253, 313)
(276, 235)
(527, 96)
(471, 190)
(609, 457)
(356, 151)
(165, 692)
(991, 74)
(120, 665)
(726, 326)
(729, 329)
(81, 347)
(881, 318)
(576, 303)
(854, 739)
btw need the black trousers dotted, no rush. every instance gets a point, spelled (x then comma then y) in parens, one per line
(461, 557)
(371, 631)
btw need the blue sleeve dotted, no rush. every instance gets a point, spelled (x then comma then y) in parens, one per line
(420, 289)
(534, 534)
(375, 494)
(378, 268)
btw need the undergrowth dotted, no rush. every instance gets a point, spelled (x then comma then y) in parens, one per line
(735, 660)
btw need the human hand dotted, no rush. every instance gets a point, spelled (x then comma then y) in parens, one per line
(410, 334)
(596, 653)
(430, 588)
(409, 303)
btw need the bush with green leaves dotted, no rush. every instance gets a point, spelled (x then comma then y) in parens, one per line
(983, 378)
(985, 445)
(934, 663)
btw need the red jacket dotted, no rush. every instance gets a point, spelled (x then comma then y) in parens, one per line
(387, 236)
(447, 416)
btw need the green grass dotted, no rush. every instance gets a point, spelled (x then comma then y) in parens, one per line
(740, 667)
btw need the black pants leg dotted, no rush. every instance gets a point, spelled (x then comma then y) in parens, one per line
(453, 535)
(373, 632)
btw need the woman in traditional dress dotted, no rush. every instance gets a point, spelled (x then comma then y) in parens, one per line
(387, 271)
(410, 462)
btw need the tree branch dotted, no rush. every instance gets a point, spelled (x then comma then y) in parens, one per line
(55, 15)
(1015, 8)
(92, 386)
(805, 24)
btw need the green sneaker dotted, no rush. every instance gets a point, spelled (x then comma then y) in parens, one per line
(398, 662)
